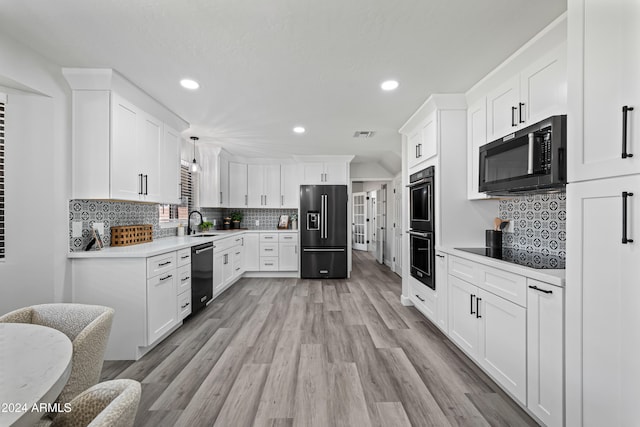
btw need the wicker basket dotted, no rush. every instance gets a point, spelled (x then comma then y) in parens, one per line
(126, 235)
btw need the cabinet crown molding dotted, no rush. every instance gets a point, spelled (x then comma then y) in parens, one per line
(448, 101)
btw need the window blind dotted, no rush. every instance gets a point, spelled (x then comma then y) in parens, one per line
(2, 175)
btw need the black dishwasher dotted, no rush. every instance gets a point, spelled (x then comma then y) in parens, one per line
(201, 276)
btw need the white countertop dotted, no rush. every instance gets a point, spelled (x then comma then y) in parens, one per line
(165, 244)
(551, 276)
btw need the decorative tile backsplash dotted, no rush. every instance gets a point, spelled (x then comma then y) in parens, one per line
(268, 218)
(538, 222)
(111, 214)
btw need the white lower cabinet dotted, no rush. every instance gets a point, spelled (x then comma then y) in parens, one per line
(162, 312)
(227, 263)
(502, 344)
(514, 335)
(442, 291)
(252, 252)
(545, 355)
(288, 252)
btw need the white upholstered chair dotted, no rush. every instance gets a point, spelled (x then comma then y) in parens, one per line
(108, 404)
(88, 328)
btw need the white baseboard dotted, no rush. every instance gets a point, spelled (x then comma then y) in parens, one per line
(405, 301)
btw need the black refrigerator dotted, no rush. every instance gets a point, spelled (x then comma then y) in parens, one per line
(323, 234)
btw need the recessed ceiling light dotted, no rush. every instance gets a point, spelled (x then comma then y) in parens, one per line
(299, 129)
(189, 84)
(389, 85)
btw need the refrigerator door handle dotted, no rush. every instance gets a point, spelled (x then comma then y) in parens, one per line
(326, 222)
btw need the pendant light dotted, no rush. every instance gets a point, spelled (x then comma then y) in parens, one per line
(195, 167)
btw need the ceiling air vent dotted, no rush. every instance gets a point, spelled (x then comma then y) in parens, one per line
(364, 134)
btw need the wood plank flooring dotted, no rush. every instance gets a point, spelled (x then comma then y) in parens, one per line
(292, 352)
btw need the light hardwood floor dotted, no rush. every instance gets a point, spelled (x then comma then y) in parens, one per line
(292, 352)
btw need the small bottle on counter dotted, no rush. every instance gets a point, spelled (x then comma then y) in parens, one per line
(180, 229)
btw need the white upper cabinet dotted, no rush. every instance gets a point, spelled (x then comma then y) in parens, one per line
(477, 136)
(604, 65)
(289, 185)
(237, 185)
(502, 108)
(223, 162)
(537, 92)
(214, 177)
(124, 143)
(414, 145)
(263, 186)
(326, 173)
(170, 167)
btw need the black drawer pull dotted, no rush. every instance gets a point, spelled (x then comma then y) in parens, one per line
(541, 290)
(625, 195)
(164, 263)
(169, 276)
(471, 308)
(625, 110)
(184, 306)
(418, 296)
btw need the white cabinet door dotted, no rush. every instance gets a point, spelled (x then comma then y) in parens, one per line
(313, 173)
(503, 342)
(255, 186)
(442, 289)
(429, 147)
(224, 181)
(604, 65)
(602, 294)
(336, 173)
(290, 185)
(218, 271)
(126, 174)
(237, 185)
(162, 305)
(149, 148)
(288, 256)
(463, 324)
(252, 252)
(170, 167)
(545, 355)
(237, 262)
(476, 137)
(543, 87)
(414, 144)
(502, 109)
(271, 186)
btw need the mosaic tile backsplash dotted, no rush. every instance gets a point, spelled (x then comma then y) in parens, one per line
(538, 223)
(111, 214)
(268, 217)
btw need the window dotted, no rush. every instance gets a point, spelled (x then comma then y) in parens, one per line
(2, 103)
(175, 213)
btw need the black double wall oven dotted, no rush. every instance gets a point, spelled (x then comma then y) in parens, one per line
(422, 222)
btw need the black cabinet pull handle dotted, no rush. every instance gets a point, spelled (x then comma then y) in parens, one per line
(471, 308)
(625, 110)
(478, 308)
(140, 178)
(146, 185)
(416, 151)
(520, 108)
(625, 195)
(440, 256)
(513, 116)
(541, 290)
(418, 296)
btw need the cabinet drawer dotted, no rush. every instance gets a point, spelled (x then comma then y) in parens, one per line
(238, 241)
(268, 237)
(184, 279)
(509, 286)
(462, 269)
(288, 237)
(184, 304)
(424, 298)
(184, 257)
(269, 249)
(224, 244)
(268, 263)
(160, 264)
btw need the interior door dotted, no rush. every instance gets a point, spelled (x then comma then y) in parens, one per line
(380, 224)
(359, 223)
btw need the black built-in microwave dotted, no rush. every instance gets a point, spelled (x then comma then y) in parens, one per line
(529, 160)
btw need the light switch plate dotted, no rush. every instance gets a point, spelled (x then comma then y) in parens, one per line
(76, 229)
(99, 227)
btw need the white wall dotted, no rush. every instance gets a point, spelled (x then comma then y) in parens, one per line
(36, 269)
(369, 171)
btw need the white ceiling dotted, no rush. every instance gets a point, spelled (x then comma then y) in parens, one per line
(266, 66)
